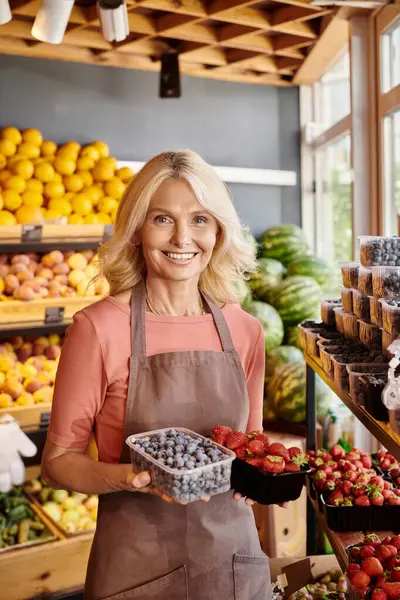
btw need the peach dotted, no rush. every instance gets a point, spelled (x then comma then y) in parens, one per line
(9, 347)
(18, 268)
(25, 352)
(75, 277)
(32, 385)
(39, 349)
(91, 271)
(7, 362)
(52, 258)
(3, 259)
(45, 394)
(17, 342)
(88, 254)
(6, 401)
(25, 276)
(11, 284)
(85, 288)
(2, 285)
(4, 269)
(24, 293)
(33, 267)
(2, 378)
(21, 259)
(55, 339)
(77, 261)
(46, 273)
(61, 269)
(13, 387)
(28, 371)
(44, 377)
(68, 292)
(53, 351)
(42, 281)
(44, 292)
(37, 362)
(42, 340)
(33, 256)
(102, 287)
(63, 279)
(34, 285)
(25, 399)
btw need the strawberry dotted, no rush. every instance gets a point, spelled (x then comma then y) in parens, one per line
(301, 460)
(395, 575)
(393, 500)
(359, 490)
(337, 452)
(378, 594)
(262, 437)
(372, 567)
(378, 481)
(367, 552)
(387, 493)
(392, 590)
(386, 540)
(366, 462)
(391, 458)
(362, 501)
(255, 462)
(326, 469)
(220, 431)
(348, 501)
(361, 580)
(278, 449)
(383, 553)
(319, 475)
(377, 499)
(341, 464)
(241, 452)
(256, 447)
(294, 451)
(394, 470)
(352, 456)
(381, 454)
(352, 569)
(385, 464)
(336, 498)
(395, 541)
(387, 485)
(346, 487)
(393, 563)
(359, 465)
(336, 475)
(392, 549)
(355, 551)
(396, 492)
(381, 579)
(235, 439)
(292, 467)
(273, 464)
(324, 486)
(350, 476)
(363, 479)
(372, 539)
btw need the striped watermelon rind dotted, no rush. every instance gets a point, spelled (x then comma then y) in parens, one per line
(280, 356)
(297, 298)
(271, 323)
(284, 243)
(270, 273)
(313, 267)
(293, 337)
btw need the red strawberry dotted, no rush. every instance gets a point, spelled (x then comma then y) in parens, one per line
(363, 478)
(350, 476)
(394, 470)
(291, 467)
(355, 551)
(220, 431)
(294, 451)
(378, 594)
(352, 456)
(262, 437)
(359, 464)
(319, 475)
(372, 539)
(393, 563)
(392, 549)
(336, 475)
(383, 553)
(395, 541)
(396, 492)
(348, 501)
(387, 485)
(385, 464)
(324, 486)
(377, 499)
(256, 447)
(326, 469)
(352, 569)
(378, 481)
(381, 579)
(392, 590)
(386, 540)
(372, 567)
(346, 487)
(393, 500)
(391, 458)
(395, 576)
(359, 490)
(336, 498)
(235, 439)
(381, 454)
(361, 580)
(337, 452)
(255, 462)
(366, 462)
(362, 501)
(387, 493)
(241, 452)
(273, 464)
(278, 449)
(367, 551)
(341, 464)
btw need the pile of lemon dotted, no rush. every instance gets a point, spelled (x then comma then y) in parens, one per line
(40, 181)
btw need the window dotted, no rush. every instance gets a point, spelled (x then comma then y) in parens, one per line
(391, 173)
(332, 94)
(390, 57)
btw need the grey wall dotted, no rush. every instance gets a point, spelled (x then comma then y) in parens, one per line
(228, 124)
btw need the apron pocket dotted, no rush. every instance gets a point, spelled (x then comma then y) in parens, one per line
(169, 587)
(251, 575)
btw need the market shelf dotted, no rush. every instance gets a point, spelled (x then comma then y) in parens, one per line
(47, 311)
(32, 328)
(382, 431)
(30, 417)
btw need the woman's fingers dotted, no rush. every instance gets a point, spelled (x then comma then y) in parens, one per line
(205, 499)
(237, 496)
(249, 501)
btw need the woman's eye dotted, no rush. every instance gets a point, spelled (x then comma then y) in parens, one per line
(200, 220)
(162, 220)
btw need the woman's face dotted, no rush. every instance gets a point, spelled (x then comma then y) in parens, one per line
(179, 235)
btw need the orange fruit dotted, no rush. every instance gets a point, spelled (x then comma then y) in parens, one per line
(12, 200)
(103, 149)
(24, 168)
(7, 147)
(34, 185)
(94, 194)
(61, 206)
(4, 175)
(75, 219)
(11, 133)
(48, 148)
(45, 172)
(104, 218)
(71, 148)
(57, 178)
(54, 189)
(125, 173)
(29, 214)
(114, 188)
(50, 215)
(102, 171)
(7, 218)
(15, 183)
(82, 205)
(32, 136)
(3, 162)
(29, 150)
(107, 204)
(86, 177)
(91, 219)
(90, 151)
(30, 198)
(64, 165)
(73, 183)
(85, 163)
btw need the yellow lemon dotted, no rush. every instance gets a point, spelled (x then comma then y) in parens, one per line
(86, 177)
(54, 189)
(3, 162)
(104, 219)
(103, 149)
(1, 207)
(94, 193)
(85, 163)
(15, 183)
(107, 204)
(6, 401)
(29, 150)
(12, 200)
(57, 178)
(14, 159)
(32, 136)
(4, 174)
(60, 205)
(32, 198)
(48, 148)
(92, 219)
(7, 218)
(24, 168)
(11, 133)
(102, 172)
(50, 215)
(45, 172)
(71, 148)
(73, 183)
(114, 188)
(64, 165)
(29, 214)
(69, 195)
(82, 205)
(125, 174)
(75, 219)
(90, 152)
(34, 185)
(7, 147)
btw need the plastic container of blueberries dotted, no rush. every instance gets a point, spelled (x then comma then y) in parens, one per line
(366, 241)
(372, 397)
(327, 311)
(390, 317)
(267, 488)
(350, 326)
(356, 371)
(365, 280)
(339, 312)
(361, 305)
(350, 274)
(375, 311)
(387, 339)
(359, 518)
(370, 335)
(379, 276)
(347, 299)
(167, 478)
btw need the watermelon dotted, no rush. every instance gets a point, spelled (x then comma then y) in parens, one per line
(313, 267)
(243, 292)
(270, 321)
(287, 393)
(293, 336)
(297, 298)
(284, 243)
(280, 356)
(270, 273)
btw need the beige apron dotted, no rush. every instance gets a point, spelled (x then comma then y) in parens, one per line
(145, 548)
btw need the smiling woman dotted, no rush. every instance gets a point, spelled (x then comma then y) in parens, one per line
(170, 347)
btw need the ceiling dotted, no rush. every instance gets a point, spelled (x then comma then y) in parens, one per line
(245, 41)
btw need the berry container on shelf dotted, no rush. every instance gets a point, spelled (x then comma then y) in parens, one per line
(361, 305)
(187, 485)
(326, 353)
(327, 338)
(340, 374)
(347, 299)
(360, 518)
(365, 281)
(387, 339)
(327, 311)
(304, 327)
(350, 274)
(371, 388)
(375, 311)
(370, 335)
(267, 488)
(386, 282)
(390, 315)
(350, 326)
(379, 251)
(339, 312)
(356, 371)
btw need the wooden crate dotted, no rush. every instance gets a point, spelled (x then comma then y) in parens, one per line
(51, 232)
(17, 311)
(28, 417)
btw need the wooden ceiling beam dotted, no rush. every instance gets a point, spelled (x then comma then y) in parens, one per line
(233, 32)
(284, 62)
(192, 8)
(296, 28)
(206, 55)
(289, 14)
(290, 41)
(172, 21)
(253, 43)
(250, 17)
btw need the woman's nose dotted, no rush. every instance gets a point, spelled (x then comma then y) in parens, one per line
(181, 236)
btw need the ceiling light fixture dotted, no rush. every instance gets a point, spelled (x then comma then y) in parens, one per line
(5, 12)
(113, 16)
(52, 20)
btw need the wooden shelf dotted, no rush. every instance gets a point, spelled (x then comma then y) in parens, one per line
(32, 328)
(29, 417)
(383, 432)
(52, 237)
(17, 311)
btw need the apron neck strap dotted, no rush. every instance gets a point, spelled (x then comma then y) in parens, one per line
(138, 322)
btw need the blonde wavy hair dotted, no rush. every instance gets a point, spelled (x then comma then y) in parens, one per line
(123, 264)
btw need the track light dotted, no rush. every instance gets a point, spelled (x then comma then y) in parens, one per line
(5, 12)
(113, 16)
(52, 20)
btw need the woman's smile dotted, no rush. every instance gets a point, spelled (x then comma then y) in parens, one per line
(180, 258)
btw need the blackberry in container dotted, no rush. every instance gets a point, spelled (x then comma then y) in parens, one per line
(371, 388)
(356, 372)
(347, 299)
(365, 281)
(350, 326)
(357, 356)
(370, 335)
(391, 315)
(375, 311)
(327, 311)
(386, 282)
(376, 251)
(350, 274)
(361, 305)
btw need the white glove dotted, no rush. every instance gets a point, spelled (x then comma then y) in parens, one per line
(13, 443)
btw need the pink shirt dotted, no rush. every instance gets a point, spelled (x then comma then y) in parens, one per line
(92, 376)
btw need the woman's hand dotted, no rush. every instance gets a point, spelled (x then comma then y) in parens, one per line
(141, 482)
(250, 502)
